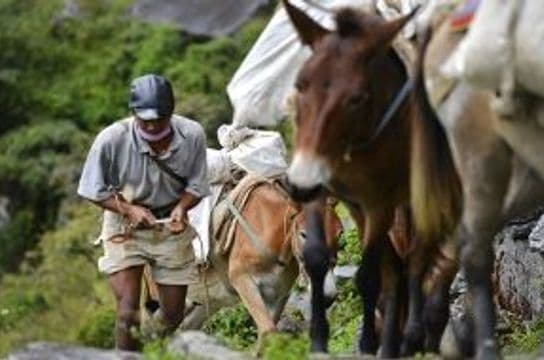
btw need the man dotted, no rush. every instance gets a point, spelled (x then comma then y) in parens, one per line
(148, 167)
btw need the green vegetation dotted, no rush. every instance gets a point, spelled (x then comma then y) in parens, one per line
(525, 338)
(286, 347)
(63, 79)
(57, 293)
(234, 326)
(156, 350)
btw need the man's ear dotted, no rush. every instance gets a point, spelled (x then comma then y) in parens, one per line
(309, 31)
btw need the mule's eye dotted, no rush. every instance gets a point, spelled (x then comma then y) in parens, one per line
(301, 84)
(358, 98)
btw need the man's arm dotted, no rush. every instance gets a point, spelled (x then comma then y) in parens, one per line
(179, 214)
(137, 216)
(95, 180)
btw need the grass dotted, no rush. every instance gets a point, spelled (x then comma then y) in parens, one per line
(525, 338)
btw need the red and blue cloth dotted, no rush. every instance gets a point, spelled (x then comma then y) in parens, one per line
(463, 15)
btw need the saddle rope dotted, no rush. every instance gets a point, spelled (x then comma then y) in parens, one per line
(253, 237)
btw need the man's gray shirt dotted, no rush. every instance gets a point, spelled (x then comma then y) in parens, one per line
(119, 159)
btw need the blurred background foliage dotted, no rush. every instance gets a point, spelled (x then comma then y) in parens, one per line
(62, 79)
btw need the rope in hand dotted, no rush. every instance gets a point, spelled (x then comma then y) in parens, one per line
(125, 235)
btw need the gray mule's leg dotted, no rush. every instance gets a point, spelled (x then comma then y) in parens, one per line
(484, 163)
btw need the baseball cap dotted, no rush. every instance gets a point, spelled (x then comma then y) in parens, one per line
(151, 97)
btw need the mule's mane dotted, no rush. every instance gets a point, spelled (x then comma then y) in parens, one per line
(352, 23)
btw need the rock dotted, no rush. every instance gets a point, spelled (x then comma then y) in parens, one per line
(196, 344)
(199, 17)
(4, 214)
(519, 270)
(345, 271)
(536, 237)
(54, 351)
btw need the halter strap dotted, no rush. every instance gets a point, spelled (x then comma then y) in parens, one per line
(386, 119)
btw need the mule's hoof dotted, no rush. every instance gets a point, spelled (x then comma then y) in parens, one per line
(489, 350)
(412, 343)
(368, 345)
(457, 342)
(318, 347)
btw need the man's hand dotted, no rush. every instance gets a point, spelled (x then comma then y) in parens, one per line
(179, 220)
(139, 216)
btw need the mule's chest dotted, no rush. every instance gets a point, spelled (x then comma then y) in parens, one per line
(370, 186)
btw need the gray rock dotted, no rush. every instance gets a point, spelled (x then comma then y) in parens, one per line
(536, 237)
(198, 345)
(345, 271)
(71, 9)
(519, 272)
(4, 214)
(200, 17)
(54, 351)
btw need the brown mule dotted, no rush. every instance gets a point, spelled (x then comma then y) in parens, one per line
(376, 166)
(261, 280)
(501, 166)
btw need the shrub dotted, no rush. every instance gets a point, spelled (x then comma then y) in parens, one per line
(98, 328)
(525, 338)
(63, 293)
(350, 248)
(286, 347)
(234, 326)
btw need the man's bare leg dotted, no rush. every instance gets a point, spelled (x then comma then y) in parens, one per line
(172, 304)
(126, 285)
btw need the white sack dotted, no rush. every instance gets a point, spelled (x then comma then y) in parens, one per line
(488, 49)
(392, 9)
(263, 153)
(261, 85)
(219, 166)
(200, 217)
(529, 46)
(231, 136)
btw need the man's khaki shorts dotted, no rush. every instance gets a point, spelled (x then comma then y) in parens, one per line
(170, 256)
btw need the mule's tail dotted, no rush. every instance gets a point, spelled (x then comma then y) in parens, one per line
(435, 187)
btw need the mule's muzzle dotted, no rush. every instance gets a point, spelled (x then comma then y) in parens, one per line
(301, 194)
(306, 176)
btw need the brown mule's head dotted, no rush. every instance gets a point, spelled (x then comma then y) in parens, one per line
(339, 94)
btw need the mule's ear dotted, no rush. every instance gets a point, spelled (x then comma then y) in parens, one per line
(385, 34)
(309, 31)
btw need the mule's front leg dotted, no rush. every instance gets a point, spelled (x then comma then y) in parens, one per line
(368, 281)
(316, 262)
(252, 299)
(477, 258)
(414, 333)
(392, 290)
(436, 311)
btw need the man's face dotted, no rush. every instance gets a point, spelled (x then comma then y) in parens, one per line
(153, 126)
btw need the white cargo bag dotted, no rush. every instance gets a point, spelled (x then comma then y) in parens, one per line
(529, 47)
(263, 153)
(200, 217)
(488, 49)
(219, 166)
(261, 85)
